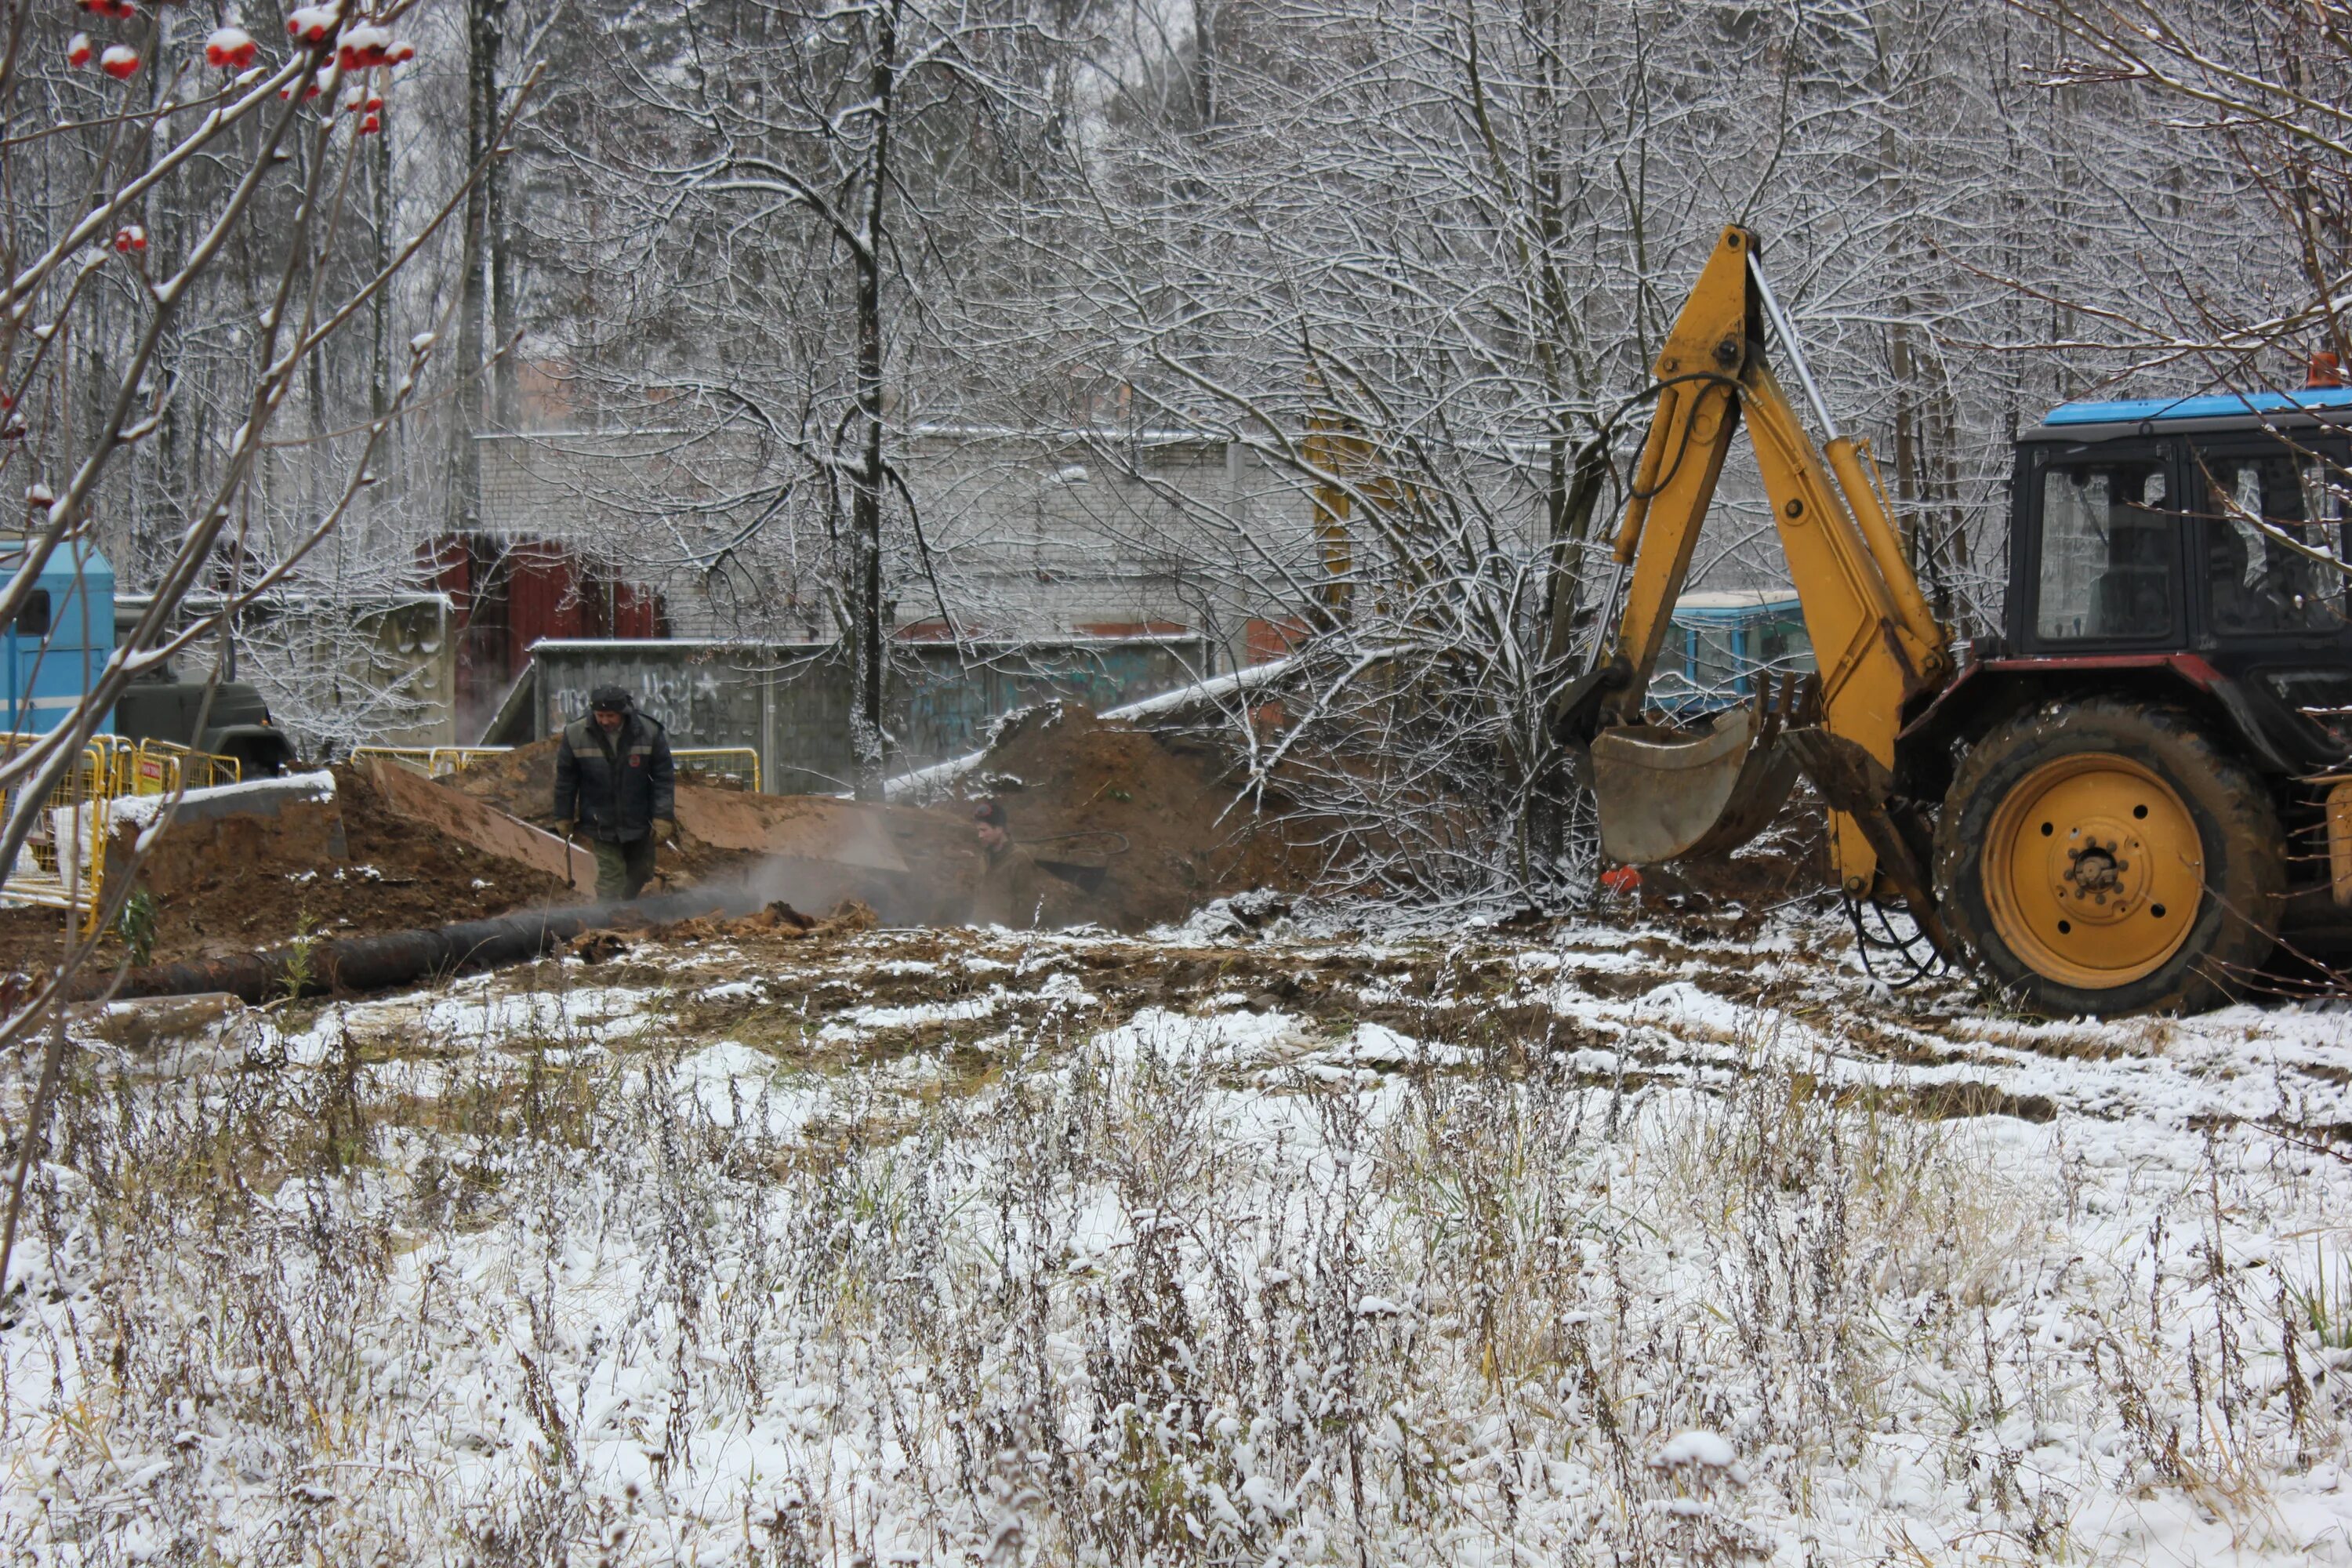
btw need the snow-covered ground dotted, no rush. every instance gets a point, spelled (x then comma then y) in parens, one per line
(1598, 1245)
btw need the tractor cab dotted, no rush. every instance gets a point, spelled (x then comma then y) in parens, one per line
(2206, 534)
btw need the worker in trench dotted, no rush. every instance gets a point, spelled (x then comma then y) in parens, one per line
(616, 786)
(1007, 895)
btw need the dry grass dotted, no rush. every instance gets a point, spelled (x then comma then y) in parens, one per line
(1036, 1289)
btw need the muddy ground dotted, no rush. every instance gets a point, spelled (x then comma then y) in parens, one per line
(259, 886)
(1129, 830)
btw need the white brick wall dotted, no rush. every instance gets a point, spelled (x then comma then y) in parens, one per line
(1030, 537)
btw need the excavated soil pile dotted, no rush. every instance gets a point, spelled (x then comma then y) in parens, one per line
(1788, 862)
(260, 890)
(520, 782)
(1131, 829)
(1126, 828)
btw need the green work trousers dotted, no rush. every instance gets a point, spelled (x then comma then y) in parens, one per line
(622, 869)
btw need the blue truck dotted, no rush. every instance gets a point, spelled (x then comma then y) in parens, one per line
(53, 651)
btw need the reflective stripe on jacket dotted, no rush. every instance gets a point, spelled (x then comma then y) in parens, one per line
(616, 792)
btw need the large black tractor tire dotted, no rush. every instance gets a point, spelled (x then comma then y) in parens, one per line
(2103, 856)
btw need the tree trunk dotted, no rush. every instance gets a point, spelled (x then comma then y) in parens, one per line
(498, 244)
(380, 371)
(484, 36)
(866, 502)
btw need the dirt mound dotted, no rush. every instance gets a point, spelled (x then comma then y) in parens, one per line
(1133, 829)
(1129, 829)
(1788, 863)
(520, 782)
(268, 886)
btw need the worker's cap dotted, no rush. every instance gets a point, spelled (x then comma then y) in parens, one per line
(609, 700)
(991, 811)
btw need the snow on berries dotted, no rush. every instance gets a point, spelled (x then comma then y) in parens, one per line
(79, 50)
(364, 46)
(130, 238)
(230, 49)
(120, 61)
(119, 10)
(315, 23)
(38, 497)
(369, 45)
(370, 124)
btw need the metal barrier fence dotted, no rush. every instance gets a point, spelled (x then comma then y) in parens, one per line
(62, 863)
(417, 757)
(434, 762)
(446, 760)
(164, 767)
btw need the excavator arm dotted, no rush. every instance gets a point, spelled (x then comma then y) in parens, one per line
(1875, 641)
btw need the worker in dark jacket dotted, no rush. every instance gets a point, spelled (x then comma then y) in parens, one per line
(616, 786)
(1007, 894)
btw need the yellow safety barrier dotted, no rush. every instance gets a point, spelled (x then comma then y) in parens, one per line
(417, 757)
(166, 767)
(734, 763)
(62, 863)
(121, 757)
(446, 760)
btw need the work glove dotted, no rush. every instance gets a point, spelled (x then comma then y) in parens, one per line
(664, 829)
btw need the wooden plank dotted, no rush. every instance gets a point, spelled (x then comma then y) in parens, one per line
(486, 827)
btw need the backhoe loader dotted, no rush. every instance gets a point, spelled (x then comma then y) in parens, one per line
(2122, 803)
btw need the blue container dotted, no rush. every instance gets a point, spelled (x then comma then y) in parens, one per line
(52, 654)
(1721, 643)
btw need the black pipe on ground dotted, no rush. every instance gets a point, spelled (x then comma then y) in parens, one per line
(399, 957)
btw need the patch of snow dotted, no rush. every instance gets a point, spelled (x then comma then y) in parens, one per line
(142, 810)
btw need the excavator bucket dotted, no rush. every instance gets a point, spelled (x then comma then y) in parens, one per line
(1668, 793)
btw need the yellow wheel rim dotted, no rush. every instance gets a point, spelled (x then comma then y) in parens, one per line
(2092, 871)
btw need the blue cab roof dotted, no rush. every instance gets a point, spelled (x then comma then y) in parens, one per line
(2205, 406)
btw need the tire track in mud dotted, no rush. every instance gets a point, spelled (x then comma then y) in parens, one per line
(1633, 1011)
(1628, 1008)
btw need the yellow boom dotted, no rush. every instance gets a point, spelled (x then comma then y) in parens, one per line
(1874, 637)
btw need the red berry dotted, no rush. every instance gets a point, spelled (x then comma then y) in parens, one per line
(230, 49)
(121, 61)
(78, 50)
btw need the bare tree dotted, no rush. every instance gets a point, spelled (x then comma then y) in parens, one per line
(783, 206)
(254, 162)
